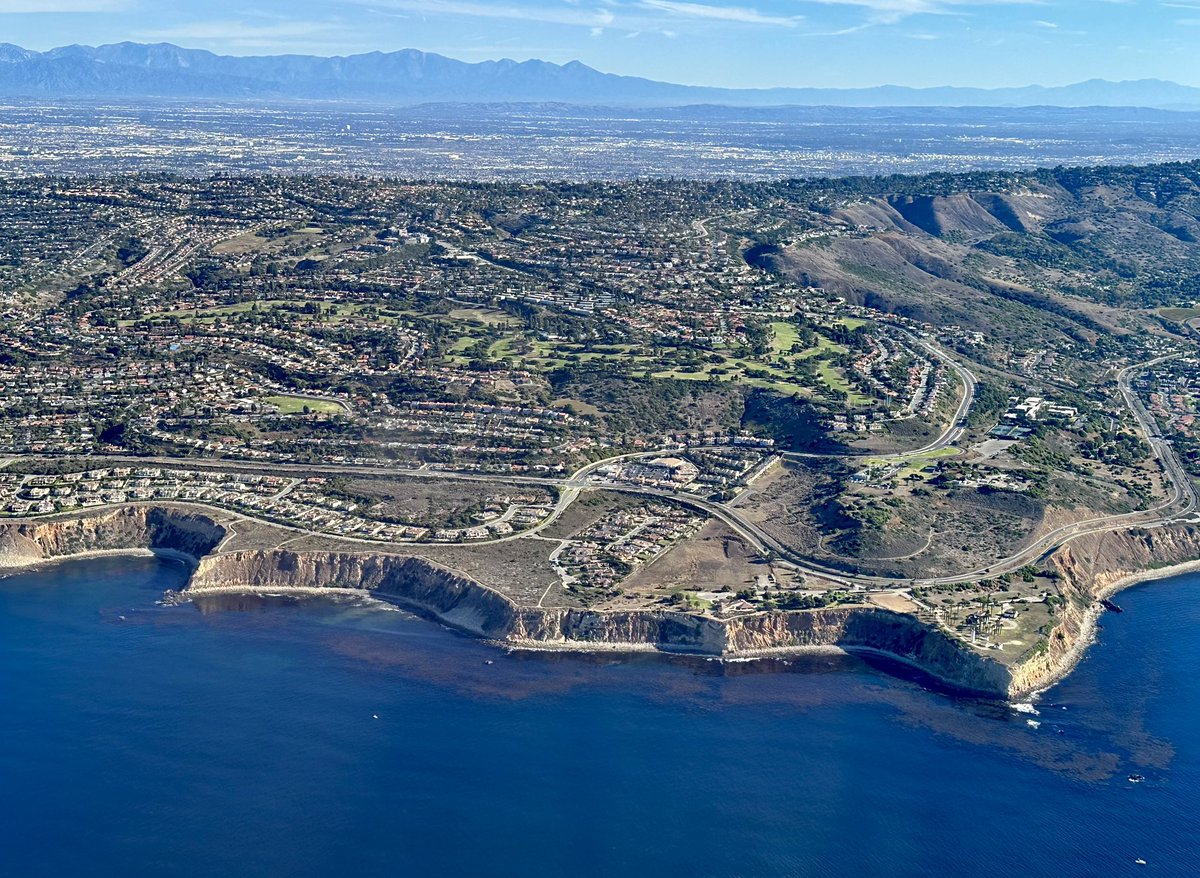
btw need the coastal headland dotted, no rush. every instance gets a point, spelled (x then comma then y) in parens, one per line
(1090, 568)
(935, 417)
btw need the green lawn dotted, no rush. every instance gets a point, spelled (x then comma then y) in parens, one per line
(547, 355)
(293, 405)
(501, 350)
(461, 344)
(786, 335)
(788, 388)
(835, 380)
(780, 381)
(485, 316)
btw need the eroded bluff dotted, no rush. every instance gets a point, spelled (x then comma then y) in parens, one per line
(131, 527)
(465, 604)
(1090, 568)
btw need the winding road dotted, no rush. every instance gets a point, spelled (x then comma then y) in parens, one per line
(1181, 505)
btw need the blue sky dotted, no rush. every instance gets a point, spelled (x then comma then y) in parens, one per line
(714, 42)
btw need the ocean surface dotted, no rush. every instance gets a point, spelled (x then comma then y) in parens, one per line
(251, 739)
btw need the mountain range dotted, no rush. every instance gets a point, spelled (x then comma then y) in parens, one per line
(408, 76)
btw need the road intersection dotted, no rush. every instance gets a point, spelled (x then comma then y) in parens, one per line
(1180, 506)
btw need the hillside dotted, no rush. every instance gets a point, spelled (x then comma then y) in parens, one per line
(408, 76)
(1063, 254)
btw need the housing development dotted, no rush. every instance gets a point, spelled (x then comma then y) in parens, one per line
(714, 399)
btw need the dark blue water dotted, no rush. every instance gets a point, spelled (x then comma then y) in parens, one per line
(145, 740)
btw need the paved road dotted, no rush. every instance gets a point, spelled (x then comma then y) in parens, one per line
(1181, 505)
(959, 422)
(1183, 489)
(949, 436)
(700, 226)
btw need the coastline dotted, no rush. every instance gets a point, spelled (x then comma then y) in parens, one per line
(197, 590)
(1059, 670)
(1087, 635)
(528, 645)
(955, 685)
(281, 590)
(1090, 569)
(778, 652)
(10, 567)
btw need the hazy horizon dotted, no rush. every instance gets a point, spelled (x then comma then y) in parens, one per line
(1015, 85)
(756, 44)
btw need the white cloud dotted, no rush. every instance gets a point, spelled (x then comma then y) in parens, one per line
(634, 15)
(240, 33)
(890, 7)
(570, 15)
(740, 14)
(16, 7)
(663, 16)
(894, 10)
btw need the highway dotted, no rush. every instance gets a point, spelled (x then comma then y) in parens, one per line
(1183, 490)
(1180, 505)
(959, 422)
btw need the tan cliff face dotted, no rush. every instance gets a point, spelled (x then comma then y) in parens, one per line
(1089, 568)
(452, 598)
(867, 628)
(662, 629)
(132, 527)
(465, 604)
(1092, 568)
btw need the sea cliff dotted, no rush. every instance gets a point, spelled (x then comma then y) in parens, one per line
(1089, 568)
(130, 528)
(1092, 568)
(462, 603)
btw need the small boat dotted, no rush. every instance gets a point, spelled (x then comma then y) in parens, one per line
(1136, 778)
(1140, 861)
(1110, 606)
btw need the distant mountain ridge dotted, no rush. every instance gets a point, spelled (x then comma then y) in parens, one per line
(408, 76)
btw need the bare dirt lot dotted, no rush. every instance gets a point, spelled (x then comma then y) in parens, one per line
(715, 558)
(439, 502)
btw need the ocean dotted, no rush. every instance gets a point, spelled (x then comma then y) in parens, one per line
(255, 737)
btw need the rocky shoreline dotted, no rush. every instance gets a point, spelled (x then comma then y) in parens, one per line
(1086, 636)
(1090, 569)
